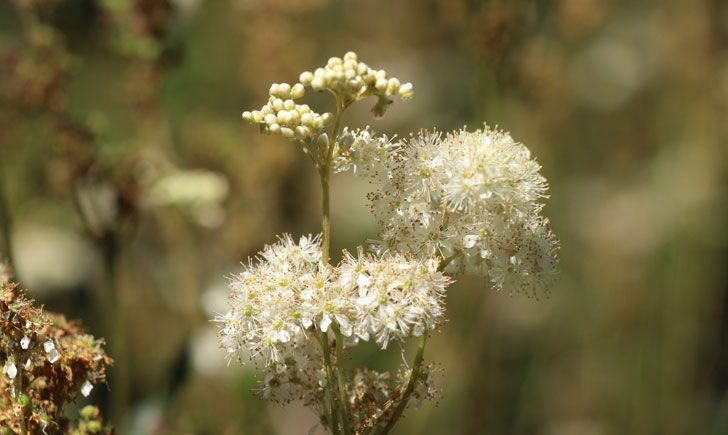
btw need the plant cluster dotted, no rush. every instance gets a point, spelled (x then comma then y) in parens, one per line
(462, 203)
(47, 362)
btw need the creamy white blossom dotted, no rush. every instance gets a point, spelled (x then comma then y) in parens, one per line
(288, 292)
(393, 296)
(471, 198)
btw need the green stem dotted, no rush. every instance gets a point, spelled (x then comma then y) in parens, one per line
(325, 212)
(410, 385)
(334, 423)
(340, 107)
(341, 379)
(324, 172)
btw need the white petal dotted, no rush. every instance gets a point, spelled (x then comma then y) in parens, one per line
(53, 356)
(325, 322)
(48, 346)
(86, 388)
(363, 280)
(11, 370)
(469, 241)
(25, 342)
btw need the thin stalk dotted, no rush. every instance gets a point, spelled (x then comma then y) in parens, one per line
(325, 411)
(6, 224)
(325, 214)
(18, 393)
(341, 379)
(340, 107)
(330, 380)
(410, 385)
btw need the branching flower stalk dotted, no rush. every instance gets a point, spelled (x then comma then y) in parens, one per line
(462, 203)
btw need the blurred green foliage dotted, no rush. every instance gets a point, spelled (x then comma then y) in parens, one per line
(624, 104)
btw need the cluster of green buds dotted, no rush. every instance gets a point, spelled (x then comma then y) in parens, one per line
(352, 81)
(281, 115)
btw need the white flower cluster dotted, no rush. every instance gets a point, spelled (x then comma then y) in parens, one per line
(363, 152)
(471, 198)
(290, 292)
(280, 302)
(281, 115)
(393, 297)
(354, 81)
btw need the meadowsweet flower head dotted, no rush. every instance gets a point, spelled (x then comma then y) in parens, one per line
(286, 294)
(471, 198)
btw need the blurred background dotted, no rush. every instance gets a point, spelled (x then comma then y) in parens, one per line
(130, 188)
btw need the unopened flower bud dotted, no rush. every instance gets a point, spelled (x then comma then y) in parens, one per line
(302, 131)
(405, 91)
(305, 78)
(283, 117)
(257, 116)
(274, 128)
(306, 119)
(322, 141)
(278, 104)
(289, 105)
(381, 84)
(333, 61)
(270, 119)
(284, 90)
(89, 411)
(274, 89)
(350, 55)
(298, 90)
(287, 132)
(317, 83)
(392, 85)
(327, 118)
(248, 116)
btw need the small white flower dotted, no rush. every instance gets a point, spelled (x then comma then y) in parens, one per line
(86, 388)
(48, 346)
(25, 342)
(53, 356)
(10, 370)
